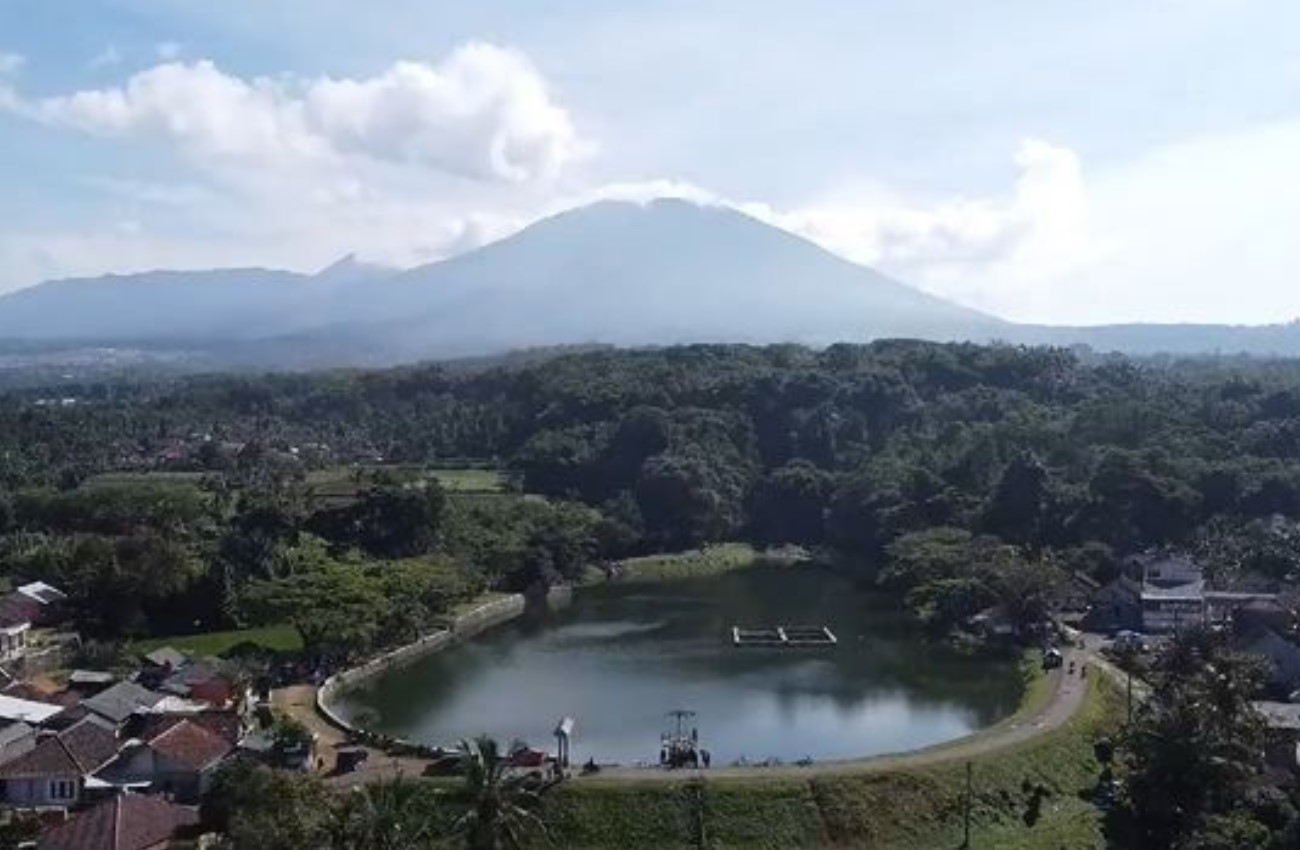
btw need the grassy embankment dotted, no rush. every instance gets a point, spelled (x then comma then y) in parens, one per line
(283, 639)
(711, 560)
(890, 809)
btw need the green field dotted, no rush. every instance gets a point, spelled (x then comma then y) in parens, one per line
(470, 480)
(711, 560)
(904, 809)
(127, 479)
(276, 638)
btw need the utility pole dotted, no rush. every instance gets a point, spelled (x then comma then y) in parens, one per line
(1130, 693)
(970, 793)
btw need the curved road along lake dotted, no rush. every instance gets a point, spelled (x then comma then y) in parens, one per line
(624, 654)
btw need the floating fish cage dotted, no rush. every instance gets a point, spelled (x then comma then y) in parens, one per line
(784, 636)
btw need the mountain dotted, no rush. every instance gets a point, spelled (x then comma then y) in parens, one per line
(661, 273)
(179, 307)
(607, 274)
(156, 306)
(618, 273)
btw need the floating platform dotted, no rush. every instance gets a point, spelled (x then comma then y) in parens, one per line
(784, 636)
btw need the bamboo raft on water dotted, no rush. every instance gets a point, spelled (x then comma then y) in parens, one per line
(797, 637)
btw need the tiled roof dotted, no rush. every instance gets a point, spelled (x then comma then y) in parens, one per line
(128, 822)
(14, 732)
(224, 724)
(49, 758)
(79, 750)
(120, 701)
(90, 743)
(189, 745)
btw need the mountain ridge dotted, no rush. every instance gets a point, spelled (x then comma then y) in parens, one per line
(611, 273)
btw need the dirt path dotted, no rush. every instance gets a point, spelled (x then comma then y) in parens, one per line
(1065, 699)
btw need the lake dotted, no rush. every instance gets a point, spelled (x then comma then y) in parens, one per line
(624, 654)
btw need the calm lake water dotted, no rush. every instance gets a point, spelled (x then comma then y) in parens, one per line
(623, 655)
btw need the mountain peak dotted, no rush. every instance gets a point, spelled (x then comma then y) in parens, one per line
(349, 268)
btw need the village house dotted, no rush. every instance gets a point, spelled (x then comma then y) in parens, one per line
(1159, 594)
(34, 604)
(1282, 747)
(180, 760)
(49, 602)
(201, 682)
(59, 770)
(120, 701)
(162, 662)
(125, 822)
(1281, 656)
(87, 683)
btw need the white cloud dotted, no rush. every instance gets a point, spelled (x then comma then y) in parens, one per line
(106, 58)
(484, 112)
(169, 50)
(10, 63)
(293, 172)
(984, 251)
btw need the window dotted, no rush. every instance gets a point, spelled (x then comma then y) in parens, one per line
(63, 789)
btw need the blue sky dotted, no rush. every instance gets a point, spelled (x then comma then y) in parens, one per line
(1046, 161)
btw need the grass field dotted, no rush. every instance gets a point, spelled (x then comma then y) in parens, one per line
(711, 560)
(277, 638)
(127, 479)
(905, 809)
(340, 478)
(470, 480)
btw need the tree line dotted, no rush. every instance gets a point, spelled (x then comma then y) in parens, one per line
(960, 475)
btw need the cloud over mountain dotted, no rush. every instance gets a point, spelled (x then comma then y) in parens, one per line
(482, 112)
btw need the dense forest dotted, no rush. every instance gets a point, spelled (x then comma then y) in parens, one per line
(959, 475)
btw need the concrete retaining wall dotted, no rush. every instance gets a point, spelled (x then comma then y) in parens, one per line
(467, 625)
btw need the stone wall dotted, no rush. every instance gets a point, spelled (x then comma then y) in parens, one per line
(473, 622)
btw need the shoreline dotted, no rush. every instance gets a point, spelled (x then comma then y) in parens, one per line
(465, 626)
(1034, 714)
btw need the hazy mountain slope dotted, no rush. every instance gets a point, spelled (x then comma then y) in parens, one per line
(172, 306)
(665, 272)
(153, 305)
(611, 273)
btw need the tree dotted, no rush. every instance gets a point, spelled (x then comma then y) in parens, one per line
(1015, 510)
(389, 522)
(1195, 745)
(790, 504)
(335, 607)
(502, 804)
(262, 809)
(393, 814)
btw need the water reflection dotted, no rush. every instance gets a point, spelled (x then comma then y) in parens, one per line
(623, 655)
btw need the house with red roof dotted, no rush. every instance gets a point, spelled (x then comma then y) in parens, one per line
(125, 822)
(180, 760)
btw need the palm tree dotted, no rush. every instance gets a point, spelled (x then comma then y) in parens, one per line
(389, 815)
(501, 802)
